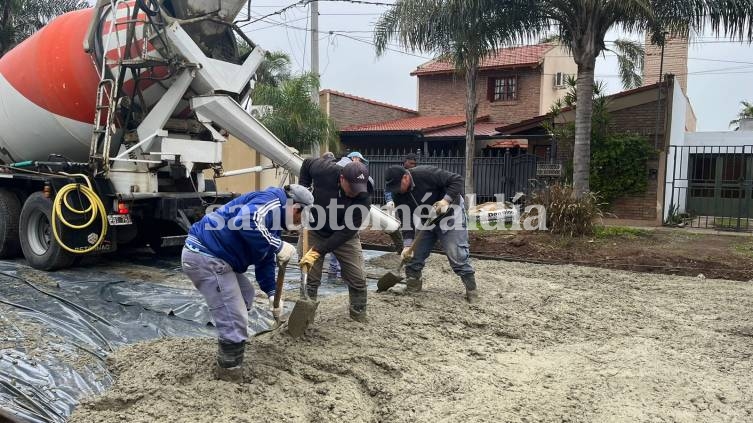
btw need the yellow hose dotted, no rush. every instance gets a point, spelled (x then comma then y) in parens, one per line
(96, 208)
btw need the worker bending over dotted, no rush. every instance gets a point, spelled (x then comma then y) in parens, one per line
(221, 247)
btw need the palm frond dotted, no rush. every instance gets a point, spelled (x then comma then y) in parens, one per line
(630, 56)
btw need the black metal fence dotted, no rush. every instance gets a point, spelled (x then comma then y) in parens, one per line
(503, 174)
(710, 187)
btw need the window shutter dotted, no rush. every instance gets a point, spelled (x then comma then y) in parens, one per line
(490, 89)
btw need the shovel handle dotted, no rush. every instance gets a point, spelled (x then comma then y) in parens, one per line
(279, 286)
(304, 250)
(420, 234)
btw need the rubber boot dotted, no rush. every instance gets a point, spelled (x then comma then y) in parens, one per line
(312, 292)
(230, 361)
(358, 299)
(471, 291)
(413, 284)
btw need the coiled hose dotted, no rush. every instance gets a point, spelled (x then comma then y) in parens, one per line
(96, 208)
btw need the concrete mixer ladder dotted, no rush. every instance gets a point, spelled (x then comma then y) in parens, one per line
(108, 89)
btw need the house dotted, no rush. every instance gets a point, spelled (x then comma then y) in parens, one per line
(347, 110)
(514, 84)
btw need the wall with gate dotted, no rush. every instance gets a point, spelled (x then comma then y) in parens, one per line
(709, 181)
(503, 174)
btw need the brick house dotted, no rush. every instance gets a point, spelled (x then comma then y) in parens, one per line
(649, 111)
(514, 84)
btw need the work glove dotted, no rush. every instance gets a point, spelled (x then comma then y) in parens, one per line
(441, 206)
(276, 312)
(308, 260)
(406, 254)
(285, 254)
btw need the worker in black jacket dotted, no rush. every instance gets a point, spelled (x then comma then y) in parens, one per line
(427, 188)
(341, 203)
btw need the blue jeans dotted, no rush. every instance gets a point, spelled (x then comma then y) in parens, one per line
(229, 295)
(455, 244)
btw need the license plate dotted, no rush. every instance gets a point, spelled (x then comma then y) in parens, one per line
(119, 219)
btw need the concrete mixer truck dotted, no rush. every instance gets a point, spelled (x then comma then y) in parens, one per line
(109, 118)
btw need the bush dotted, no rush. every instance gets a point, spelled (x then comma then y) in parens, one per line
(567, 215)
(619, 165)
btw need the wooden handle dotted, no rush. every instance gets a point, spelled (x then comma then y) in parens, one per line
(279, 286)
(420, 234)
(305, 241)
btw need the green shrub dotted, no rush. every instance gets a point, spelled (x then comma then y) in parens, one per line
(567, 215)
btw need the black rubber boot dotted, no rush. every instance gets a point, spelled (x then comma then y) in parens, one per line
(230, 361)
(471, 291)
(312, 292)
(413, 284)
(358, 299)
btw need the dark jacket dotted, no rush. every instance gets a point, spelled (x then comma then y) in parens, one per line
(324, 176)
(430, 184)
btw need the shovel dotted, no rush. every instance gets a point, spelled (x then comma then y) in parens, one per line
(390, 279)
(277, 300)
(304, 310)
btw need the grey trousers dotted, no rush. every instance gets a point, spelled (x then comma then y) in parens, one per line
(229, 295)
(456, 247)
(350, 256)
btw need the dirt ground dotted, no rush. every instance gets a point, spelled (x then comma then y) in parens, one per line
(546, 343)
(664, 251)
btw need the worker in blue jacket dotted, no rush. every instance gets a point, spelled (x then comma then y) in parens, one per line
(224, 244)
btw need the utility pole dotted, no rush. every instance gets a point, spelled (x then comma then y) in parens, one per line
(315, 60)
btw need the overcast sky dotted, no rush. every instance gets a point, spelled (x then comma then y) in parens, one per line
(720, 71)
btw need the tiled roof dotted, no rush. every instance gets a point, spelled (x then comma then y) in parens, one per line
(481, 129)
(366, 100)
(504, 58)
(416, 124)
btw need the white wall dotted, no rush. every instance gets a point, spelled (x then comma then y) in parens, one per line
(558, 59)
(676, 138)
(724, 142)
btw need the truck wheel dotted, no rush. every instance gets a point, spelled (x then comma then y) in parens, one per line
(10, 213)
(37, 241)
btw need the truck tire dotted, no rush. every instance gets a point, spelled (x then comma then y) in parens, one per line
(10, 213)
(37, 241)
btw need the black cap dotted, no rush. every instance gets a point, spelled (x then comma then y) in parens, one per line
(411, 156)
(357, 175)
(392, 178)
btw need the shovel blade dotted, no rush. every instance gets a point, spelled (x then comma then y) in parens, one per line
(388, 281)
(301, 317)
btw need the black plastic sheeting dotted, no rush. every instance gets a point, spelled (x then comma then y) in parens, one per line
(56, 333)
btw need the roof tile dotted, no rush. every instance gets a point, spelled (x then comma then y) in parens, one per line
(503, 58)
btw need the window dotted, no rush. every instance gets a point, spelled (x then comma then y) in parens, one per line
(560, 79)
(503, 89)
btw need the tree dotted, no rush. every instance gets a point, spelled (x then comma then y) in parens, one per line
(295, 119)
(618, 161)
(583, 24)
(461, 31)
(745, 113)
(21, 18)
(630, 55)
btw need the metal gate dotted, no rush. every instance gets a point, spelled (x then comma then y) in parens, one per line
(504, 174)
(710, 187)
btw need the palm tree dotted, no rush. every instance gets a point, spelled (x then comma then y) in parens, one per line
(21, 18)
(630, 55)
(295, 119)
(745, 113)
(583, 24)
(274, 69)
(461, 31)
